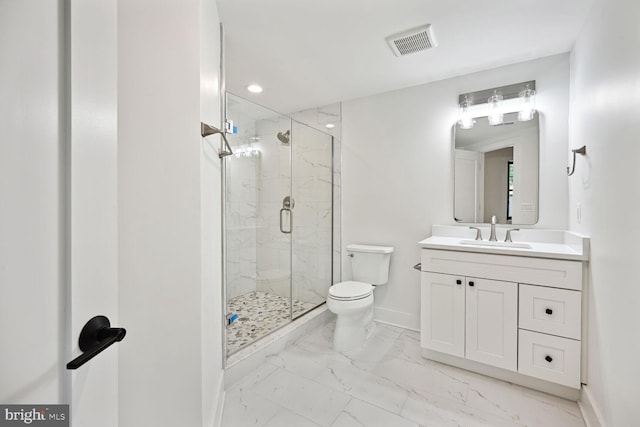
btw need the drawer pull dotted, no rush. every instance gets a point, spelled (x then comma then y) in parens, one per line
(471, 283)
(458, 282)
(548, 358)
(548, 311)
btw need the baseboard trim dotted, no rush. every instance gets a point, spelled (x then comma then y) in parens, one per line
(590, 412)
(396, 325)
(215, 418)
(220, 410)
(394, 318)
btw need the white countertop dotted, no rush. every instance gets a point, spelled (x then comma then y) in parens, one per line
(556, 244)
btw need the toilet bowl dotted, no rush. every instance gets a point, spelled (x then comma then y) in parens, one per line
(352, 301)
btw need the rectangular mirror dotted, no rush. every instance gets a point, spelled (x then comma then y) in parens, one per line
(496, 171)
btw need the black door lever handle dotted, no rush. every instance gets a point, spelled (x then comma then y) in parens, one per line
(96, 335)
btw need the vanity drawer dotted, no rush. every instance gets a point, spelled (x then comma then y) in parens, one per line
(549, 358)
(550, 310)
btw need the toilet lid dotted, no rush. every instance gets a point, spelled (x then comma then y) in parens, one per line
(350, 290)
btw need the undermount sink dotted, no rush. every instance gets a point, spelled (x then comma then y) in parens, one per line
(515, 245)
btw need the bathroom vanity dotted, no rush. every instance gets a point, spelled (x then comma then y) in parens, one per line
(511, 310)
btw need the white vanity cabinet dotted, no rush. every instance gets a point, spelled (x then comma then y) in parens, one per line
(470, 317)
(520, 314)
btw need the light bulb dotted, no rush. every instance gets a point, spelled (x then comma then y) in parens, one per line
(496, 116)
(465, 120)
(527, 104)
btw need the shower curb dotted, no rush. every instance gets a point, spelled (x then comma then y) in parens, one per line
(246, 360)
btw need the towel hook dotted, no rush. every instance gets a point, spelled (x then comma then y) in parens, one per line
(582, 151)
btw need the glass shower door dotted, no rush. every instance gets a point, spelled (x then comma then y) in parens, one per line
(278, 189)
(312, 244)
(258, 222)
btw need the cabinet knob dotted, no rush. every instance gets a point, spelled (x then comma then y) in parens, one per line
(458, 282)
(548, 311)
(471, 283)
(548, 358)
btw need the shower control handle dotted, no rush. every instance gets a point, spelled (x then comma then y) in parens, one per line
(288, 202)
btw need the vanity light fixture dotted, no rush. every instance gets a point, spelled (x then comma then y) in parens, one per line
(494, 103)
(496, 116)
(527, 104)
(465, 119)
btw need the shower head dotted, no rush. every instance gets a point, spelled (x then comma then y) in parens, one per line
(284, 136)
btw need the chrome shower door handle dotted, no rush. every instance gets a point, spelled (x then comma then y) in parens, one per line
(282, 230)
(287, 205)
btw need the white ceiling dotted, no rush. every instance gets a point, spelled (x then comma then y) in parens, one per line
(307, 53)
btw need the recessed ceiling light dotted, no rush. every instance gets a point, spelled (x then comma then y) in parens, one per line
(254, 88)
(329, 125)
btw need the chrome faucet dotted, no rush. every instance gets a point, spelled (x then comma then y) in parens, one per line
(493, 238)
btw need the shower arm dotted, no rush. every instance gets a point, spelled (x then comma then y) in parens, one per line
(206, 130)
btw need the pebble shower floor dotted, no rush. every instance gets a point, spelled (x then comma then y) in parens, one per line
(258, 314)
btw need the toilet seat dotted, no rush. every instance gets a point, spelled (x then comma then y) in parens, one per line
(350, 291)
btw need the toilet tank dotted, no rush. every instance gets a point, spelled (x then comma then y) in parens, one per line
(370, 264)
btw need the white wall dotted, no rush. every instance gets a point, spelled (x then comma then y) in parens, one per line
(397, 172)
(32, 202)
(605, 99)
(163, 279)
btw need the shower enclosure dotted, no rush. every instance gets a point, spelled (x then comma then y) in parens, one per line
(278, 221)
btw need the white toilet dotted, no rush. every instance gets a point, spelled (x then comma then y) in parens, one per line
(352, 301)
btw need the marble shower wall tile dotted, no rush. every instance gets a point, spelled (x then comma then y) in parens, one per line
(242, 188)
(312, 186)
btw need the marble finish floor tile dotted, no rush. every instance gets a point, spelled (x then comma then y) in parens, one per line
(387, 383)
(259, 313)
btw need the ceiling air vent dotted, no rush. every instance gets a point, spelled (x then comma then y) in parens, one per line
(411, 41)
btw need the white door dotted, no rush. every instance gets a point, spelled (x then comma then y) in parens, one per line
(58, 204)
(442, 313)
(469, 186)
(492, 322)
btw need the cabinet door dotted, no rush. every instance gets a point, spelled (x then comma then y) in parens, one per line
(442, 313)
(492, 322)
